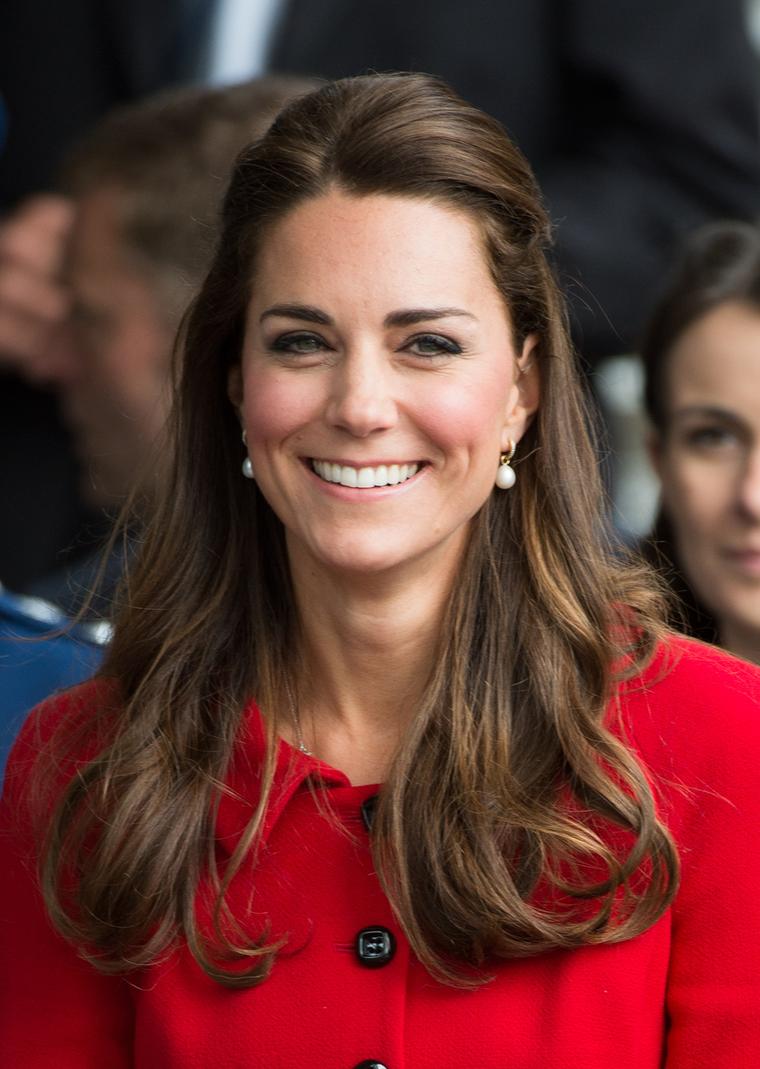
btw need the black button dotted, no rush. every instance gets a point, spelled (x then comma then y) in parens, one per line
(369, 805)
(375, 947)
(370, 1063)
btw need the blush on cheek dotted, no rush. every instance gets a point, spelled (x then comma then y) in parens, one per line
(272, 409)
(460, 415)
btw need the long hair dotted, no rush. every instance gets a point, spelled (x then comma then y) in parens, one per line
(719, 264)
(512, 787)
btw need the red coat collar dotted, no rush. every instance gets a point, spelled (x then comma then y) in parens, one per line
(293, 771)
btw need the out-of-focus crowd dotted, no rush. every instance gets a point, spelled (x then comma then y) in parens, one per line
(640, 120)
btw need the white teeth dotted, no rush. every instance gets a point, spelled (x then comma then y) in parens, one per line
(382, 475)
(366, 477)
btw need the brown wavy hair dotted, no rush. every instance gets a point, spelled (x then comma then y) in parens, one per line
(514, 818)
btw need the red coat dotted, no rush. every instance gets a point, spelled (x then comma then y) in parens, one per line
(685, 994)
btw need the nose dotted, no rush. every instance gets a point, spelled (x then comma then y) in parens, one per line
(749, 485)
(361, 398)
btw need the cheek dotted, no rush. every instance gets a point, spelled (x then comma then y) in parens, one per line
(274, 408)
(466, 416)
(694, 495)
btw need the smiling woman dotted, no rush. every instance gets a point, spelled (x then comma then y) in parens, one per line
(386, 719)
(378, 367)
(702, 358)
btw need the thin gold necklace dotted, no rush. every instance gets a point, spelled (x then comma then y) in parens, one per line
(300, 744)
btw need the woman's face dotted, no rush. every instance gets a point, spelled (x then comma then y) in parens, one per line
(379, 381)
(709, 461)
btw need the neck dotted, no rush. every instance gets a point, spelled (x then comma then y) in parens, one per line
(369, 647)
(742, 641)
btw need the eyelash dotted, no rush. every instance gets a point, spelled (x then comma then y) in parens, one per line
(710, 437)
(442, 344)
(289, 343)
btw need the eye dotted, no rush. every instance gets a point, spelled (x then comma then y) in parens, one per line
(711, 438)
(299, 343)
(432, 345)
(93, 324)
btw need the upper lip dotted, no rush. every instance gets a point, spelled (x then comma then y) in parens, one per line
(743, 551)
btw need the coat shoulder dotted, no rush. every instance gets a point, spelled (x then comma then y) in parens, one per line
(65, 730)
(694, 712)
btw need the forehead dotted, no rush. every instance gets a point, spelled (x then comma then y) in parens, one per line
(717, 361)
(388, 247)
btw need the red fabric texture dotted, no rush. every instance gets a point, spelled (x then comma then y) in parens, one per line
(684, 995)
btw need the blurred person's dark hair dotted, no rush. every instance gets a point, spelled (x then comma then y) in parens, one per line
(718, 264)
(168, 158)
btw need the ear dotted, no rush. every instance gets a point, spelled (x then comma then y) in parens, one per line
(235, 386)
(525, 393)
(654, 450)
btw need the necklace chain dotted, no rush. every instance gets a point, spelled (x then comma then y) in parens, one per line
(300, 744)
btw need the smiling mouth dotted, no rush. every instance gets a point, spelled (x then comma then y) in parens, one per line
(364, 478)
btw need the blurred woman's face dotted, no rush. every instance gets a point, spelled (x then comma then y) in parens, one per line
(708, 458)
(379, 381)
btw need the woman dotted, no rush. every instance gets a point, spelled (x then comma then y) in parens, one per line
(702, 362)
(446, 832)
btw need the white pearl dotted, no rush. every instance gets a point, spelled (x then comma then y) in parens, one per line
(505, 477)
(248, 468)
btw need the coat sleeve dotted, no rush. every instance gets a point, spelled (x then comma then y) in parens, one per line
(662, 136)
(713, 993)
(55, 1008)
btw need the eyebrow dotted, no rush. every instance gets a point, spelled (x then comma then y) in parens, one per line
(706, 412)
(409, 316)
(297, 311)
(406, 317)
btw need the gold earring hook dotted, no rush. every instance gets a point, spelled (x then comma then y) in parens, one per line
(506, 457)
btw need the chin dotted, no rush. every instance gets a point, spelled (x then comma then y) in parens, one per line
(363, 563)
(358, 556)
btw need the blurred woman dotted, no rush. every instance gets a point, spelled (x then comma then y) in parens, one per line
(702, 364)
(391, 762)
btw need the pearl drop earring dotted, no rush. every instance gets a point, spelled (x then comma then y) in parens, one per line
(247, 467)
(505, 476)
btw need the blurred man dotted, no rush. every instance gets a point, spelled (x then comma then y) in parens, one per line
(146, 187)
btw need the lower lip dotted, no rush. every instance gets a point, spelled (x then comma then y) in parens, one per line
(747, 563)
(366, 494)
